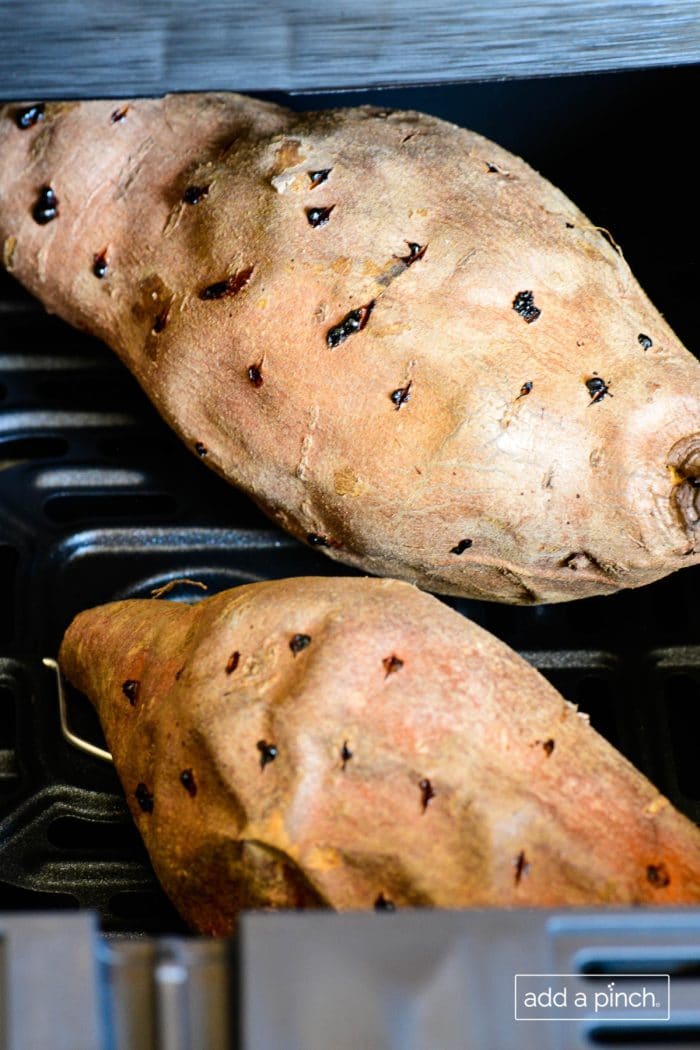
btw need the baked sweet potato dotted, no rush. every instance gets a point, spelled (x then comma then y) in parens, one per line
(350, 743)
(408, 347)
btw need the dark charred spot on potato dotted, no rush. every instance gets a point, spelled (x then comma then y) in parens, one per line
(383, 903)
(46, 206)
(392, 664)
(353, 322)
(427, 793)
(548, 747)
(229, 287)
(99, 264)
(318, 216)
(524, 390)
(345, 754)
(493, 169)
(144, 798)
(188, 782)
(299, 642)
(118, 115)
(402, 395)
(160, 320)
(524, 305)
(461, 547)
(201, 449)
(316, 540)
(658, 876)
(131, 689)
(28, 116)
(195, 194)
(255, 374)
(268, 753)
(179, 673)
(415, 252)
(645, 341)
(521, 866)
(317, 177)
(598, 389)
(569, 225)
(233, 662)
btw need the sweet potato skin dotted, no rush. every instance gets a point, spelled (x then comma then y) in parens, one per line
(415, 759)
(507, 416)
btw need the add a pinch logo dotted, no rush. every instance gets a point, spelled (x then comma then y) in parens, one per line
(578, 997)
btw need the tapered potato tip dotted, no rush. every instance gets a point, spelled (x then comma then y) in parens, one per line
(118, 653)
(339, 742)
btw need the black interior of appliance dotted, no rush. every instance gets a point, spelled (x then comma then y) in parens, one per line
(98, 500)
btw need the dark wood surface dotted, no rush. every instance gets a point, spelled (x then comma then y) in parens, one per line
(84, 48)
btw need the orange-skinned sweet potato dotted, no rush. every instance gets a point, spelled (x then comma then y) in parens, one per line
(403, 343)
(346, 743)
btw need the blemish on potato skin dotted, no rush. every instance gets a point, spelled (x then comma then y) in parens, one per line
(195, 194)
(299, 642)
(346, 482)
(144, 798)
(233, 662)
(29, 116)
(131, 688)
(524, 390)
(383, 903)
(658, 876)
(597, 388)
(415, 252)
(45, 209)
(201, 449)
(461, 547)
(427, 793)
(8, 253)
(188, 782)
(524, 306)
(521, 866)
(345, 754)
(548, 747)
(160, 321)
(400, 396)
(317, 177)
(288, 155)
(392, 664)
(353, 322)
(255, 375)
(314, 539)
(118, 115)
(644, 341)
(228, 287)
(317, 217)
(99, 264)
(268, 753)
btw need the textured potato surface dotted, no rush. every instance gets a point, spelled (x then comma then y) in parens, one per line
(350, 743)
(408, 347)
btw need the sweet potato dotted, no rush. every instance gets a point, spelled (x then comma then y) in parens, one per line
(408, 347)
(350, 743)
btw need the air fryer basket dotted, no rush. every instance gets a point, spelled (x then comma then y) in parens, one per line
(98, 501)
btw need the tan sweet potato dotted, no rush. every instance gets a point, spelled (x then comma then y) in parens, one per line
(406, 345)
(346, 743)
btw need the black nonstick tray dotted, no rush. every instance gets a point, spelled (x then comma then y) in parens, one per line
(98, 500)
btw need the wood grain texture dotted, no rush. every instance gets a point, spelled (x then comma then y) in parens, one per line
(151, 47)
